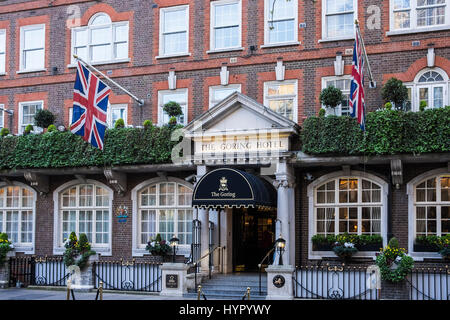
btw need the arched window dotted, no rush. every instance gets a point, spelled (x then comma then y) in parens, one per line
(431, 86)
(85, 208)
(164, 208)
(348, 205)
(432, 206)
(17, 204)
(101, 40)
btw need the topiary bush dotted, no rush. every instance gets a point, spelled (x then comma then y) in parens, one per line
(44, 118)
(147, 124)
(331, 97)
(28, 129)
(51, 128)
(4, 132)
(120, 123)
(395, 91)
(173, 109)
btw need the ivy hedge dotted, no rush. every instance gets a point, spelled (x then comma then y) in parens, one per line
(387, 132)
(63, 149)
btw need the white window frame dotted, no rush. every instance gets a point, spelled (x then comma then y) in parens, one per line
(212, 26)
(89, 28)
(58, 246)
(413, 20)
(112, 107)
(22, 67)
(416, 85)
(324, 23)
(27, 248)
(312, 190)
(338, 109)
(137, 248)
(162, 12)
(267, 15)
(185, 108)
(411, 193)
(294, 97)
(3, 52)
(212, 103)
(21, 124)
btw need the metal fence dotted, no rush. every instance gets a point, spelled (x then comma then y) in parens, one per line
(332, 282)
(429, 284)
(39, 271)
(128, 275)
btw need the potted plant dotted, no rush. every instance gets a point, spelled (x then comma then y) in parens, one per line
(426, 244)
(173, 110)
(5, 247)
(77, 251)
(323, 243)
(28, 130)
(120, 123)
(369, 242)
(331, 97)
(345, 250)
(395, 91)
(158, 247)
(393, 262)
(44, 118)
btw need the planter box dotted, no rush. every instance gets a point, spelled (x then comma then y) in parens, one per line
(421, 247)
(322, 247)
(370, 247)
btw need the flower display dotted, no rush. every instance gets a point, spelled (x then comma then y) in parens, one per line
(5, 247)
(77, 251)
(394, 263)
(158, 246)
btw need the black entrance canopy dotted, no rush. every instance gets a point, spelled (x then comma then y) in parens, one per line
(230, 188)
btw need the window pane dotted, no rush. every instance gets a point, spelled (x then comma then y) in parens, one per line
(175, 43)
(101, 52)
(2, 70)
(402, 20)
(121, 33)
(101, 35)
(445, 189)
(80, 37)
(33, 39)
(340, 25)
(226, 15)
(226, 37)
(282, 9)
(33, 59)
(121, 50)
(438, 97)
(174, 21)
(336, 6)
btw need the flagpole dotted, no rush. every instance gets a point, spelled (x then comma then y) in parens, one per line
(141, 102)
(358, 31)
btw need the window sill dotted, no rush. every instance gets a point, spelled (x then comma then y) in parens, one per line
(336, 39)
(420, 256)
(284, 44)
(225, 50)
(102, 251)
(31, 71)
(184, 250)
(330, 254)
(3, 74)
(24, 249)
(417, 30)
(173, 56)
(102, 62)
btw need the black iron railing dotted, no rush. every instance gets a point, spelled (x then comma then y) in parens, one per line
(429, 283)
(128, 275)
(261, 265)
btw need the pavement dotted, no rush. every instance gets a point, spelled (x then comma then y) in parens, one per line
(51, 294)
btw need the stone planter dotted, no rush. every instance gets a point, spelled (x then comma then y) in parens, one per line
(394, 290)
(84, 281)
(4, 270)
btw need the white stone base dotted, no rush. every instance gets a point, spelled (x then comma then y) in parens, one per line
(179, 269)
(286, 292)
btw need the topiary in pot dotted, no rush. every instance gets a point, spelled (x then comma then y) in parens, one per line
(52, 128)
(44, 118)
(322, 112)
(4, 132)
(331, 97)
(173, 109)
(395, 91)
(423, 105)
(119, 123)
(28, 129)
(147, 124)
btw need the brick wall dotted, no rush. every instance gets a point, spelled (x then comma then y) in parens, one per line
(310, 60)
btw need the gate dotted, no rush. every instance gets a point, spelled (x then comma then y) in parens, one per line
(21, 271)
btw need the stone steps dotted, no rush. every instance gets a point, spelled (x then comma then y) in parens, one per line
(232, 287)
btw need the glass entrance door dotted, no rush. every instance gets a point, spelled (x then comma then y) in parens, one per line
(253, 237)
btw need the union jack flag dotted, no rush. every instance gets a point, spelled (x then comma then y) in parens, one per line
(90, 105)
(357, 105)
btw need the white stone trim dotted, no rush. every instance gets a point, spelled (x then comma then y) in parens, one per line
(24, 248)
(57, 248)
(411, 194)
(341, 174)
(139, 252)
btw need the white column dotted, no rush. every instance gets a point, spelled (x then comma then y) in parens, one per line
(203, 216)
(286, 210)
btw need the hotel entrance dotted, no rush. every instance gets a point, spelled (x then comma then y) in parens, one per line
(253, 237)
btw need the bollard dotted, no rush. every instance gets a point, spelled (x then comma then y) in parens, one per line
(101, 290)
(199, 292)
(248, 293)
(68, 290)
